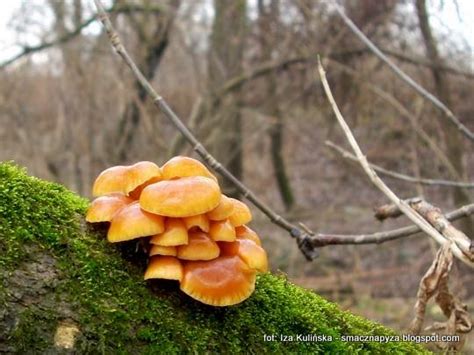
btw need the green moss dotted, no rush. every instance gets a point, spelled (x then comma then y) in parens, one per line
(117, 312)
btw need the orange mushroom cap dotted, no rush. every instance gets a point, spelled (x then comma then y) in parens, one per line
(164, 267)
(180, 166)
(175, 233)
(182, 197)
(124, 179)
(251, 253)
(223, 210)
(200, 221)
(244, 232)
(222, 231)
(241, 214)
(103, 208)
(132, 222)
(221, 282)
(162, 250)
(200, 247)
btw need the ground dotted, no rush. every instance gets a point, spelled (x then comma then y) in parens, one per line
(65, 286)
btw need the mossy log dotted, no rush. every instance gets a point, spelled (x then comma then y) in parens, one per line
(63, 286)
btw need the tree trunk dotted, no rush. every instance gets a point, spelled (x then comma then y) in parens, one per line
(153, 36)
(452, 138)
(225, 62)
(64, 289)
(269, 42)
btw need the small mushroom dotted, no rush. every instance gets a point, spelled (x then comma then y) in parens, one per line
(223, 210)
(164, 267)
(221, 282)
(103, 208)
(175, 233)
(184, 197)
(180, 166)
(124, 179)
(251, 253)
(132, 222)
(222, 231)
(241, 214)
(244, 232)
(161, 250)
(200, 247)
(197, 222)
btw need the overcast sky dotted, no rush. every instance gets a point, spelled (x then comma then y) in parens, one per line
(460, 24)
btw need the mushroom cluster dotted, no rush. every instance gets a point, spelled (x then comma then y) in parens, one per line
(193, 233)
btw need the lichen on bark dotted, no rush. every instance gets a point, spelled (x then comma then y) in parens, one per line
(56, 271)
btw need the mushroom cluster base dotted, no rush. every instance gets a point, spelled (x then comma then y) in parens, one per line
(56, 272)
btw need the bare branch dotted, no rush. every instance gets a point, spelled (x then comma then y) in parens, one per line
(27, 50)
(302, 237)
(321, 240)
(406, 78)
(437, 182)
(402, 205)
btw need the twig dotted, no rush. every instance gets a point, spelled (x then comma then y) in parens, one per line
(446, 183)
(321, 240)
(406, 78)
(302, 237)
(402, 205)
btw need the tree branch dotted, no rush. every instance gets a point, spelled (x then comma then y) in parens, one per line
(321, 240)
(436, 218)
(302, 237)
(402, 205)
(27, 50)
(437, 182)
(406, 78)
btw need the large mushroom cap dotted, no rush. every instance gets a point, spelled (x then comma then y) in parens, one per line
(222, 231)
(241, 214)
(182, 197)
(132, 222)
(251, 253)
(244, 232)
(124, 179)
(180, 166)
(223, 210)
(175, 233)
(164, 267)
(200, 247)
(200, 222)
(223, 281)
(103, 208)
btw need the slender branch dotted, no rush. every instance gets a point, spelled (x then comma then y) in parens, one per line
(321, 240)
(405, 77)
(302, 237)
(445, 183)
(27, 50)
(402, 205)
